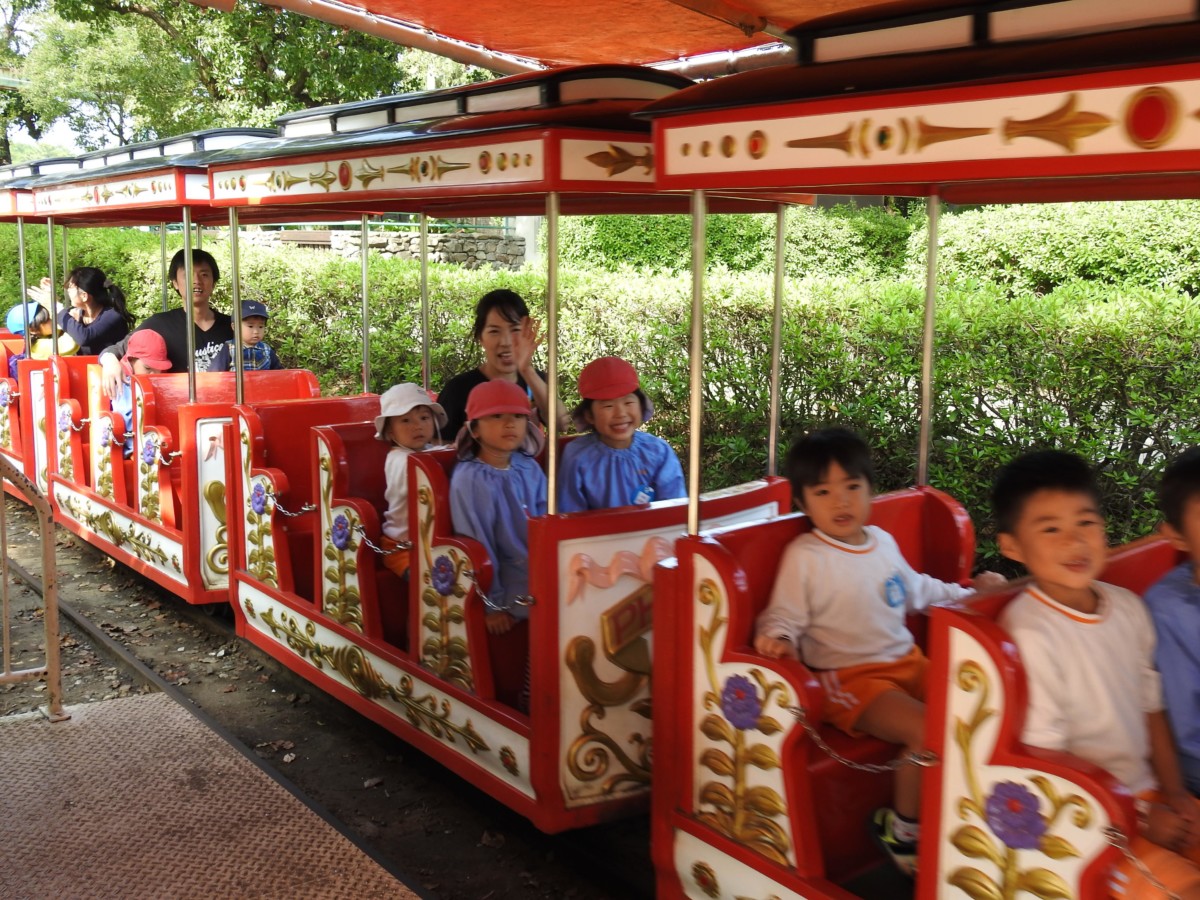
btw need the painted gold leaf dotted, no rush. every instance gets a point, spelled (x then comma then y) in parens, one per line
(766, 801)
(975, 885)
(717, 761)
(1057, 848)
(716, 729)
(1045, 884)
(768, 725)
(718, 795)
(762, 756)
(973, 841)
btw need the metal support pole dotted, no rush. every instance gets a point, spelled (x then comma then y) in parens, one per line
(696, 361)
(199, 236)
(162, 253)
(24, 281)
(426, 362)
(235, 298)
(552, 210)
(776, 338)
(50, 260)
(366, 313)
(187, 302)
(927, 344)
(66, 263)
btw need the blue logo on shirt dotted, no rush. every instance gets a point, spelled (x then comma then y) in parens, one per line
(894, 591)
(643, 493)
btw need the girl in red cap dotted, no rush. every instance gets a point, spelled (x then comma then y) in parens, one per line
(495, 488)
(617, 464)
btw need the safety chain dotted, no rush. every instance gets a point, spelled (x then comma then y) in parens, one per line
(1117, 838)
(306, 508)
(168, 458)
(79, 427)
(925, 758)
(400, 545)
(519, 600)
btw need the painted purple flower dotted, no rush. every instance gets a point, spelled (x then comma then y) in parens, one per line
(5, 395)
(106, 430)
(64, 418)
(149, 452)
(740, 703)
(1012, 814)
(443, 575)
(258, 498)
(340, 533)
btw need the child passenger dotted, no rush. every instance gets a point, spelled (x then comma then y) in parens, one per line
(257, 354)
(495, 488)
(1174, 603)
(411, 421)
(839, 603)
(41, 334)
(146, 353)
(1088, 652)
(616, 464)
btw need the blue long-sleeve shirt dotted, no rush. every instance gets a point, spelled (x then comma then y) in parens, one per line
(597, 476)
(493, 506)
(107, 328)
(1174, 602)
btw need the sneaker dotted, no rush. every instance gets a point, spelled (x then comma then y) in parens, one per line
(903, 853)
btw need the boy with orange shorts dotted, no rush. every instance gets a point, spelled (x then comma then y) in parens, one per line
(839, 604)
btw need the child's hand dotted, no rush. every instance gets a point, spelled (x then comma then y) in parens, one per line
(775, 648)
(1184, 805)
(1167, 828)
(499, 622)
(988, 581)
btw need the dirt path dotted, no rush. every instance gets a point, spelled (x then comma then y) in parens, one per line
(450, 839)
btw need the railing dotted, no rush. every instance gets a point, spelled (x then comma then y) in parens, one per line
(47, 585)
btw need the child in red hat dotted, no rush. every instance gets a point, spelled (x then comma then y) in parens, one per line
(496, 487)
(146, 353)
(616, 464)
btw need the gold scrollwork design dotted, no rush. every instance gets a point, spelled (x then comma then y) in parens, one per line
(1065, 126)
(1010, 818)
(616, 160)
(136, 542)
(591, 753)
(424, 712)
(444, 587)
(730, 804)
(218, 556)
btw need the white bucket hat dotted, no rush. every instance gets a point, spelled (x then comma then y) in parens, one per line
(402, 398)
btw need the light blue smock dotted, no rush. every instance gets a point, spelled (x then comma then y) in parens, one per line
(493, 506)
(593, 475)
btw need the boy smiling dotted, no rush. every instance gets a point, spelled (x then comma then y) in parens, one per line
(1088, 652)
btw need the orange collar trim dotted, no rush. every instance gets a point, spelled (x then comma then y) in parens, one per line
(847, 548)
(1073, 614)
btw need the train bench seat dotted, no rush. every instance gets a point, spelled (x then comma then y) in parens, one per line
(721, 583)
(70, 376)
(349, 461)
(276, 443)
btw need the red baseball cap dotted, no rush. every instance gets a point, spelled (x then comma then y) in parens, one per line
(496, 397)
(148, 346)
(607, 378)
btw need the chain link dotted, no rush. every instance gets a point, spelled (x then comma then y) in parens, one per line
(492, 606)
(925, 758)
(1117, 838)
(169, 458)
(400, 545)
(306, 508)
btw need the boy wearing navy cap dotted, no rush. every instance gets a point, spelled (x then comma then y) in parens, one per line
(256, 353)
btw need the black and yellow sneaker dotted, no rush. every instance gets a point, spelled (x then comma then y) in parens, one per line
(903, 853)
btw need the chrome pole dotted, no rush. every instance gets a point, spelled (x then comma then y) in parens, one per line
(426, 363)
(24, 283)
(366, 315)
(552, 211)
(927, 344)
(776, 337)
(162, 254)
(235, 298)
(53, 290)
(187, 302)
(66, 263)
(696, 366)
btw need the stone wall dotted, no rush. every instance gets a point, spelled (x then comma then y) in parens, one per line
(471, 250)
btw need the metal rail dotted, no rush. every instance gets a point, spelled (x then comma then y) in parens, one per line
(52, 670)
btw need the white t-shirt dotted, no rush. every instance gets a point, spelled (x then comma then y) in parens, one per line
(1091, 679)
(844, 605)
(395, 470)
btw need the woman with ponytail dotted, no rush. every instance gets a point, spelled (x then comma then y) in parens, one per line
(97, 317)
